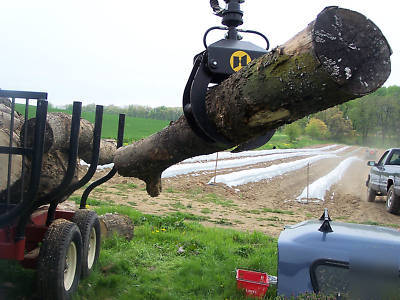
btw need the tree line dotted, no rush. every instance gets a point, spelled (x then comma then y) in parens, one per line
(371, 120)
(138, 111)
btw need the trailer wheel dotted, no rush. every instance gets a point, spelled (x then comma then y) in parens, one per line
(89, 225)
(59, 263)
(392, 201)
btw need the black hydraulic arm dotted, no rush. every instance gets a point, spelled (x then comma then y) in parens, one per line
(120, 139)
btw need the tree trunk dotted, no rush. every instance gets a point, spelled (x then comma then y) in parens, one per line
(57, 135)
(340, 56)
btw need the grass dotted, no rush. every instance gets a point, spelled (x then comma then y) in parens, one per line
(124, 187)
(151, 267)
(281, 141)
(277, 211)
(178, 205)
(216, 199)
(90, 201)
(380, 224)
(171, 190)
(206, 210)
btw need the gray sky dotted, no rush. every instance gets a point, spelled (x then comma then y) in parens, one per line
(140, 52)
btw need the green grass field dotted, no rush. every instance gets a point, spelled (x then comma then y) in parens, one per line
(151, 267)
(135, 128)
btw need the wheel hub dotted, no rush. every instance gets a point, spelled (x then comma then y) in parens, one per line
(92, 247)
(389, 199)
(70, 266)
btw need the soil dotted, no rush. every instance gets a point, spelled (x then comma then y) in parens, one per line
(265, 206)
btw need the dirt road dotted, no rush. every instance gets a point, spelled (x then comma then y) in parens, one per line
(266, 205)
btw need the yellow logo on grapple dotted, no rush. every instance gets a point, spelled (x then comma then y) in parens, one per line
(239, 59)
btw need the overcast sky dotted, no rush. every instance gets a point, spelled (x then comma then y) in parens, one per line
(125, 52)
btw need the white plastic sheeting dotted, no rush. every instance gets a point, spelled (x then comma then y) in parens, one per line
(254, 157)
(318, 188)
(258, 174)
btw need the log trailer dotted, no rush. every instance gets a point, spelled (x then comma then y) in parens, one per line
(63, 245)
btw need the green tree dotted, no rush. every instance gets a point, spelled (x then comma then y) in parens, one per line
(316, 128)
(339, 127)
(293, 131)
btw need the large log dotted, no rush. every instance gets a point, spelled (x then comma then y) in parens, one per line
(16, 163)
(56, 154)
(338, 57)
(5, 116)
(57, 135)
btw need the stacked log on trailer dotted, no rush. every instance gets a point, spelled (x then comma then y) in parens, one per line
(5, 121)
(55, 157)
(340, 56)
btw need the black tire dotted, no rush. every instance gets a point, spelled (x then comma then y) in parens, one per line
(89, 225)
(392, 201)
(59, 263)
(371, 194)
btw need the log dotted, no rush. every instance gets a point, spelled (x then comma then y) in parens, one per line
(114, 223)
(16, 162)
(340, 56)
(5, 117)
(57, 135)
(53, 170)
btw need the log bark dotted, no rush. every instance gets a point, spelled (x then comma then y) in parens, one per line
(116, 224)
(55, 157)
(16, 163)
(5, 117)
(57, 135)
(340, 56)
(53, 170)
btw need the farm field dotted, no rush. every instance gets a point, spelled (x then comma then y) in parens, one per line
(225, 222)
(135, 128)
(261, 190)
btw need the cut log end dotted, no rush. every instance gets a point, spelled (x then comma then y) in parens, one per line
(121, 225)
(346, 43)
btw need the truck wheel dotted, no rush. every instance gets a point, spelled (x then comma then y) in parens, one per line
(392, 201)
(371, 194)
(89, 225)
(59, 263)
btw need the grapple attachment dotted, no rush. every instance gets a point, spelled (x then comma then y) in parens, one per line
(220, 60)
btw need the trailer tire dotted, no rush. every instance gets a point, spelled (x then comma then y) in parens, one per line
(89, 225)
(59, 263)
(371, 194)
(392, 201)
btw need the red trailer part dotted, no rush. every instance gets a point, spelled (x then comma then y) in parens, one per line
(62, 245)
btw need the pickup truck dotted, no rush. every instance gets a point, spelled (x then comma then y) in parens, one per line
(335, 260)
(349, 261)
(384, 180)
